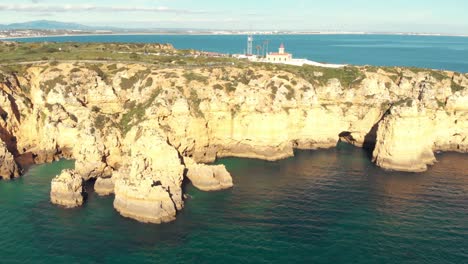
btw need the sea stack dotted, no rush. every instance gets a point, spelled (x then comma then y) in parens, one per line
(208, 177)
(67, 189)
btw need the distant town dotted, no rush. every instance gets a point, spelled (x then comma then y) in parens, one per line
(31, 33)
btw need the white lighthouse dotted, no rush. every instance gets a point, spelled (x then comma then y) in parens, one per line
(281, 49)
(281, 56)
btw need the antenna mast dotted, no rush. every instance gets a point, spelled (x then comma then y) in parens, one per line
(250, 44)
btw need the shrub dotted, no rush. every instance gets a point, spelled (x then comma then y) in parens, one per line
(192, 76)
(218, 87)
(50, 84)
(95, 109)
(456, 87)
(100, 121)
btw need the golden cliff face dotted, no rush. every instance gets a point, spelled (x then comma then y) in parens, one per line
(139, 129)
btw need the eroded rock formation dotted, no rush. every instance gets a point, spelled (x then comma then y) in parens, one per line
(104, 186)
(208, 177)
(139, 130)
(67, 189)
(8, 167)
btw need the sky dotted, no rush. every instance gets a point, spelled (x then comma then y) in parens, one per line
(418, 16)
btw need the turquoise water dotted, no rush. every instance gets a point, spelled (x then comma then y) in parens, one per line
(327, 206)
(436, 52)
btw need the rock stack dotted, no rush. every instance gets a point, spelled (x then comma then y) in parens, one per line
(67, 189)
(208, 177)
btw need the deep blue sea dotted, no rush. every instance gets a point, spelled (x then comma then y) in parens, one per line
(435, 52)
(324, 206)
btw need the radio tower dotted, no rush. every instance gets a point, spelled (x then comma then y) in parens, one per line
(250, 44)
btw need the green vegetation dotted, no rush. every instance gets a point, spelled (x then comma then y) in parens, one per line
(218, 87)
(348, 76)
(136, 112)
(156, 54)
(194, 102)
(75, 70)
(97, 68)
(13, 69)
(291, 93)
(231, 87)
(235, 110)
(438, 75)
(441, 104)
(50, 84)
(130, 82)
(100, 121)
(149, 82)
(192, 76)
(456, 87)
(404, 102)
(170, 75)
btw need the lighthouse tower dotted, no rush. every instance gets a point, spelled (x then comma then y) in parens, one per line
(281, 49)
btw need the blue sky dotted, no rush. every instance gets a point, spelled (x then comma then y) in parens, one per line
(430, 16)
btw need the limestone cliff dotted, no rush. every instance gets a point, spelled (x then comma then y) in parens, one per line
(134, 127)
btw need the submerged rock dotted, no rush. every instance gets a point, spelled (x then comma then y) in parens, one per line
(208, 177)
(67, 189)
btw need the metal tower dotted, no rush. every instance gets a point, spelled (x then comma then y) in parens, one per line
(250, 45)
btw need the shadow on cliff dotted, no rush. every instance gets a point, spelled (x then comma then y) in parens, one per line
(370, 139)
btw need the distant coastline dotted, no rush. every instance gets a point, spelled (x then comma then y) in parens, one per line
(223, 33)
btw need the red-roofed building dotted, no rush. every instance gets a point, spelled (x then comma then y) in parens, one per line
(281, 56)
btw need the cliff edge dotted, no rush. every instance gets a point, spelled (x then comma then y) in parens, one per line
(141, 129)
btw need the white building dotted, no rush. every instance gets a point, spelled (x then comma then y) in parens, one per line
(281, 56)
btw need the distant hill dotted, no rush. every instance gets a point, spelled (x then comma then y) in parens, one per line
(52, 25)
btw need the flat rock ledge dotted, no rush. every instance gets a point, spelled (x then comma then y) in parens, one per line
(104, 186)
(208, 177)
(67, 189)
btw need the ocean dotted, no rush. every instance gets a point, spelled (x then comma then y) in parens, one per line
(322, 206)
(435, 52)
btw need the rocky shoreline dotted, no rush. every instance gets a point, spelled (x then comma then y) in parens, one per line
(141, 130)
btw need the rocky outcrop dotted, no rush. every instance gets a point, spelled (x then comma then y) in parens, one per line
(67, 189)
(405, 139)
(104, 186)
(143, 199)
(208, 177)
(150, 190)
(8, 167)
(136, 129)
